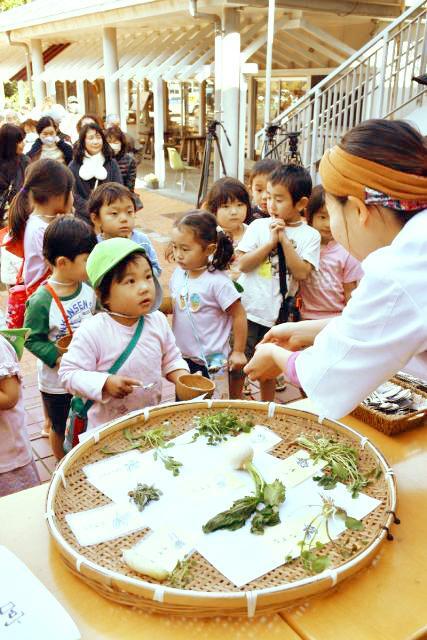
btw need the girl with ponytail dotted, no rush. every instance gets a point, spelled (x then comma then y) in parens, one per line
(206, 304)
(46, 193)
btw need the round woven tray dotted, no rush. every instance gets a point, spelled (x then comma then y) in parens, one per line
(210, 593)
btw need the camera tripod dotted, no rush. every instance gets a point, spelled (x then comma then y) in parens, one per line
(272, 148)
(211, 140)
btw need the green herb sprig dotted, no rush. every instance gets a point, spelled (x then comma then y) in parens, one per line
(143, 494)
(342, 464)
(181, 574)
(152, 438)
(312, 560)
(218, 427)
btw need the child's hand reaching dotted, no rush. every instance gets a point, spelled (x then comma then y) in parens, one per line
(120, 386)
(236, 361)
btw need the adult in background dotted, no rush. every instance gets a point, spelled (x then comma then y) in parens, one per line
(117, 140)
(375, 182)
(49, 144)
(13, 163)
(89, 118)
(92, 164)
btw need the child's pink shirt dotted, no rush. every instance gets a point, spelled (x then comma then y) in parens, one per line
(323, 292)
(15, 446)
(98, 343)
(34, 265)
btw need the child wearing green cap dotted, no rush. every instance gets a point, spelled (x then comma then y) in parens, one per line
(129, 294)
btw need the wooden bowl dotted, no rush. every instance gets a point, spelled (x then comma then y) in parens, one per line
(192, 385)
(63, 343)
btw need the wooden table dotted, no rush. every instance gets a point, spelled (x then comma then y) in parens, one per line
(387, 601)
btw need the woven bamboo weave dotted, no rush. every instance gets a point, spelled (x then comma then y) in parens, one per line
(209, 593)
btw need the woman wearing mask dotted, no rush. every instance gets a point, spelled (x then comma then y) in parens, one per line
(93, 164)
(375, 182)
(49, 145)
(31, 135)
(117, 140)
(13, 163)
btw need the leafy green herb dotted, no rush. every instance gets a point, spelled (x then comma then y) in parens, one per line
(180, 576)
(266, 517)
(270, 495)
(235, 517)
(218, 427)
(310, 547)
(342, 464)
(143, 494)
(152, 438)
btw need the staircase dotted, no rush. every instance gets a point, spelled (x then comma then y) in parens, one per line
(375, 82)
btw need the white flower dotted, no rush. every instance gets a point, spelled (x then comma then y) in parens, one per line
(240, 454)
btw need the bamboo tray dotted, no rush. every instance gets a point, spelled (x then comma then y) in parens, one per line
(210, 593)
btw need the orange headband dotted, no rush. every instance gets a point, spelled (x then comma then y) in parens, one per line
(346, 175)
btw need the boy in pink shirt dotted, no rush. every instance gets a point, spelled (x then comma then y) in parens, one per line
(326, 291)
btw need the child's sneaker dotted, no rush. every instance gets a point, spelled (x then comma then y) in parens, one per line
(280, 383)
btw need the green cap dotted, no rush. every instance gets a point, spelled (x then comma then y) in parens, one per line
(107, 254)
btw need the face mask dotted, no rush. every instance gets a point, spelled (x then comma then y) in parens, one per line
(49, 141)
(31, 137)
(116, 147)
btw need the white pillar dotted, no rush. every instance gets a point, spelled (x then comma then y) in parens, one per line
(202, 108)
(218, 86)
(230, 90)
(124, 103)
(38, 68)
(269, 61)
(51, 88)
(159, 131)
(2, 96)
(80, 90)
(111, 65)
(21, 93)
(251, 117)
(65, 93)
(242, 127)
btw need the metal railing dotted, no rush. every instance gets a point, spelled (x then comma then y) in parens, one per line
(375, 82)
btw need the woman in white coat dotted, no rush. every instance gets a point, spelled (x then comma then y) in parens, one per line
(376, 194)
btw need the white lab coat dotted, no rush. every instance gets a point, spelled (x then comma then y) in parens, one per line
(382, 330)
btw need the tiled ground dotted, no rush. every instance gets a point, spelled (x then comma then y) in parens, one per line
(156, 220)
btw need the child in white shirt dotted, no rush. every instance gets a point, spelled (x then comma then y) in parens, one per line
(288, 191)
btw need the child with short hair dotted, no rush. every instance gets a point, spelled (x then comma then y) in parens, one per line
(17, 467)
(130, 294)
(288, 191)
(112, 211)
(207, 305)
(258, 177)
(58, 308)
(229, 201)
(326, 292)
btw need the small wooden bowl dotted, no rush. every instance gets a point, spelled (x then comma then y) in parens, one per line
(192, 385)
(63, 343)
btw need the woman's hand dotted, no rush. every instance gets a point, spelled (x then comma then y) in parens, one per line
(295, 335)
(120, 386)
(236, 361)
(268, 362)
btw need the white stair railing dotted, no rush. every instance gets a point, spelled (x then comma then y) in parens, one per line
(376, 82)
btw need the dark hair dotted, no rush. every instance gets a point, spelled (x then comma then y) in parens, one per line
(118, 134)
(204, 226)
(224, 190)
(106, 194)
(117, 273)
(44, 179)
(45, 121)
(10, 136)
(315, 203)
(29, 122)
(392, 143)
(97, 119)
(263, 168)
(296, 179)
(80, 148)
(67, 236)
